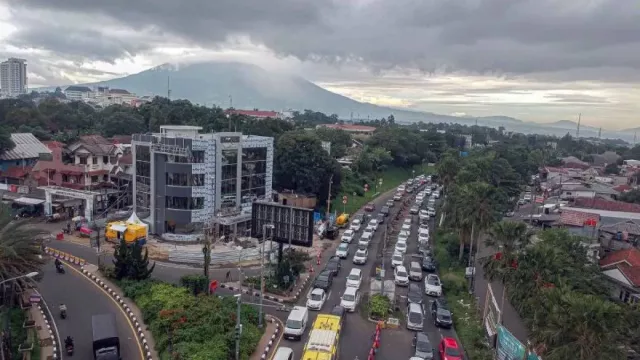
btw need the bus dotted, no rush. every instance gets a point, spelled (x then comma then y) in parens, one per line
(324, 339)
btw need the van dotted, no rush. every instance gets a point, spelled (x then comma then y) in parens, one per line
(296, 323)
(283, 353)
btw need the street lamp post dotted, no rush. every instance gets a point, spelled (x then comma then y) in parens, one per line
(264, 240)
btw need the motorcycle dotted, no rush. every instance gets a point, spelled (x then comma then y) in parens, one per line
(60, 269)
(63, 314)
(69, 350)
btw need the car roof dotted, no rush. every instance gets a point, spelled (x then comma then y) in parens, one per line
(420, 336)
(415, 307)
(401, 267)
(355, 271)
(450, 342)
(317, 291)
(414, 286)
(350, 290)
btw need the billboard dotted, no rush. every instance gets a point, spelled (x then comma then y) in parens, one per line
(508, 347)
(291, 224)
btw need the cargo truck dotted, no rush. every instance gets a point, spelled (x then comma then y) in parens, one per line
(106, 344)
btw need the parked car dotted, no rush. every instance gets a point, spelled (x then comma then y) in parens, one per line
(414, 210)
(355, 278)
(360, 257)
(389, 203)
(415, 317)
(380, 218)
(365, 239)
(347, 236)
(423, 237)
(385, 211)
(397, 259)
(334, 265)
(323, 280)
(316, 299)
(406, 227)
(432, 212)
(415, 294)
(436, 194)
(350, 299)
(449, 349)
(342, 251)
(428, 264)
(415, 271)
(441, 314)
(423, 347)
(370, 207)
(400, 275)
(397, 197)
(409, 189)
(401, 247)
(407, 221)
(432, 285)
(373, 225)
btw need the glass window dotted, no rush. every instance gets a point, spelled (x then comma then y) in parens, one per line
(197, 157)
(184, 203)
(82, 160)
(142, 153)
(143, 169)
(94, 160)
(105, 159)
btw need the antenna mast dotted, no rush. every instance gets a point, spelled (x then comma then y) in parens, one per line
(600, 133)
(578, 130)
(169, 87)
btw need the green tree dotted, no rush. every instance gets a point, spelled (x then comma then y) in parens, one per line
(121, 260)
(139, 268)
(120, 123)
(612, 169)
(340, 140)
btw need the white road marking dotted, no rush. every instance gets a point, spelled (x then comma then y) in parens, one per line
(328, 296)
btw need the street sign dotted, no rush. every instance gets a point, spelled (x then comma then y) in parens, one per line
(35, 298)
(344, 198)
(291, 224)
(285, 279)
(366, 187)
(344, 202)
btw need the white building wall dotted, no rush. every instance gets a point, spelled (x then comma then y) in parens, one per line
(208, 191)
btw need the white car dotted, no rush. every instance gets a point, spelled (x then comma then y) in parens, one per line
(373, 223)
(347, 237)
(397, 259)
(360, 257)
(404, 233)
(423, 214)
(401, 247)
(401, 188)
(401, 276)
(365, 239)
(355, 225)
(424, 226)
(423, 238)
(427, 191)
(432, 212)
(406, 227)
(406, 221)
(432, 285)
(350, 299)
(316, 299)
(402, 238)
(355, 278)
(342, 251)
(436, 194)
(397, 197)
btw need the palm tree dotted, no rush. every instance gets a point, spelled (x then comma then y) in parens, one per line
(20, 247)
(481, 208)
(510, 238)
(447, 170)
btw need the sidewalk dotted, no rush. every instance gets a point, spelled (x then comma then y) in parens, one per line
(269, 341)
(42, 330)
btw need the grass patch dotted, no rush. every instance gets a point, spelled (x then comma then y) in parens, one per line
(467, 321)
(18, 333)
(353, 183)
(36, 352)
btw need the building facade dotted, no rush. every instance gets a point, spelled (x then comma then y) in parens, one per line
(13, 77)
(183, 179)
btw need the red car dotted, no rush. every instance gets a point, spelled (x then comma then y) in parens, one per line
(449, 349)
(370, 207)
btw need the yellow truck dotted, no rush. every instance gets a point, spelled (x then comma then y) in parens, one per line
(324, 339)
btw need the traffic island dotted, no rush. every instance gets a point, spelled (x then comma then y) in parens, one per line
(269, 342)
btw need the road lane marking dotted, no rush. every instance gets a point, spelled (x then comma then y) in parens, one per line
(126, 316)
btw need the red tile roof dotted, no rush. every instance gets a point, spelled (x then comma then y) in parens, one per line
(253, 113)
(577, 218)
(54, 144)
(16, 172)
(126, 159)
(627, 261)
(608, 205)
(346, 127)
(622, 188)
(121, 139)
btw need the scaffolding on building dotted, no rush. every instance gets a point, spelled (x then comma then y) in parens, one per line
(170, 150)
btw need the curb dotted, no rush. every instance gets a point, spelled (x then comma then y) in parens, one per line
(54, 343)
(268, 297)
(134, 320)
(300, 290)
(65, 256)
(274, 336)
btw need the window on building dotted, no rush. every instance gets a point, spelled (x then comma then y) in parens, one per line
(65, 178)
(184, 203)
(94, 179)
(105, 177)
(105, 159)
(197, 157)
(94, 160)
(254, 173)
(142, 153)
(82, 160)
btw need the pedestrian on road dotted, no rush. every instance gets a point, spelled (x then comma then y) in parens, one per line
(227, 278)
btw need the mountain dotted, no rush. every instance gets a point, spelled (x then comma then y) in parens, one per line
(249, 86)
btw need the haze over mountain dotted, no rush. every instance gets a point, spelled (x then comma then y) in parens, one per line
(249, 86)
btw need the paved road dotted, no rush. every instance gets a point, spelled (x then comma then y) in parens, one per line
(401, 340)
(84, 299)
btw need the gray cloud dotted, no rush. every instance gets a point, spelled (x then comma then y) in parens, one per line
(471, 36)
(579, 99)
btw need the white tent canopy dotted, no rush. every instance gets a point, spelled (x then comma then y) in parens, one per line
(133, 219)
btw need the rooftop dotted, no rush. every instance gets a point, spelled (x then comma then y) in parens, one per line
(627, 261)
(631, 227)
(577, 218)
(27, 147)
(78, 88)
(253, 113)
(604, 204)
(347, 127)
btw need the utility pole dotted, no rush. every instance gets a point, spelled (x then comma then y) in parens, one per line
(169, 87)
(238, 323)
(384, 249)
(329, 197)
(264, 240)
(578, 130)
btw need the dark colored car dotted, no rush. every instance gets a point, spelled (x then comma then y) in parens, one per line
(415, 294)
(339, 311)
(358, 217)
(441, 314)
(428, 264)
(370, 207)
(423, 347)
(323, 280)
(334, 265)
(385, 211)
(380, 218)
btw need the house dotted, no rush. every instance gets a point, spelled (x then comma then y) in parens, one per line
(619, 236)
(607, 157)
(255, 113)
(586, 190)
(16, 164)
(103, 96)
(97, 155)
(574, 162)
(55, 171)
(354, 129)
(79, 93)
(622, 269)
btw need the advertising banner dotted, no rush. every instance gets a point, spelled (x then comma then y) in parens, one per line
(508, 347)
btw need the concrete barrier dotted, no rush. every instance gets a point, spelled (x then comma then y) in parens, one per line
(272, 342)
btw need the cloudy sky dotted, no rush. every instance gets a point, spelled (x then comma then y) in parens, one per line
(537, 60)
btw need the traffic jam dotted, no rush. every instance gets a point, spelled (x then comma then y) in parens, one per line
(331, 321)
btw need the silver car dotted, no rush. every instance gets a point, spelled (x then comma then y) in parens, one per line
(415, 317)
(423, 347)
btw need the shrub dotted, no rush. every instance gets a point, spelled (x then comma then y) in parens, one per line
(196, 284)
(379, 306)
